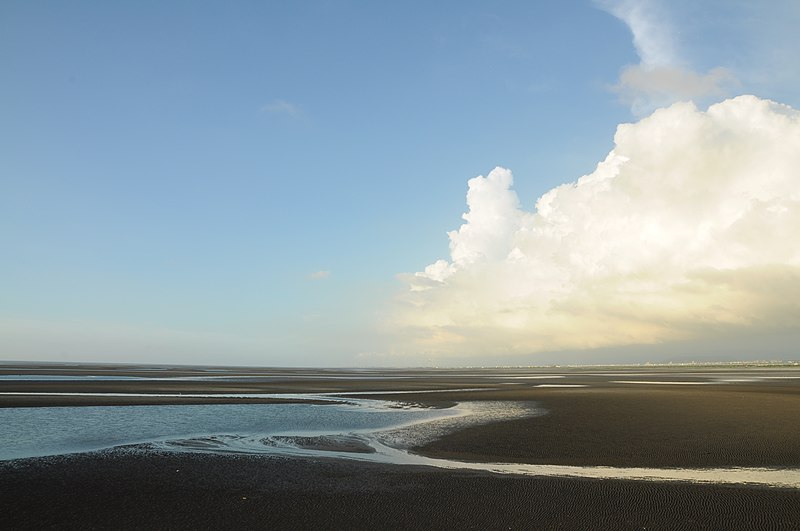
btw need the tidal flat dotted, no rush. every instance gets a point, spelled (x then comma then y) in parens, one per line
(565, 447)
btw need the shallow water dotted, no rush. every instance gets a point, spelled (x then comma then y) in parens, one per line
(40, 431)
(359, 429)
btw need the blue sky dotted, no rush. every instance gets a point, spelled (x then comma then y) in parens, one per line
(243, 182)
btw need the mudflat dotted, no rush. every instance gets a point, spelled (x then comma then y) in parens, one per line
(643, 426)
(127, 490)
(698, 417)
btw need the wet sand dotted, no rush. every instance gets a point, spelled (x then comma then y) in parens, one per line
(721, 417)
(180, 491)
(716, 426)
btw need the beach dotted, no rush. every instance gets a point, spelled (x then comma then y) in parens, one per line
(678, 418)
(716, 426)
(125, 490)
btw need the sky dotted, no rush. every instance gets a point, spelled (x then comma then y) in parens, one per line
(352, 183)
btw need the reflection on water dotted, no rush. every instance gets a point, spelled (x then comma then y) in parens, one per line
(359, 429)
(29, 432)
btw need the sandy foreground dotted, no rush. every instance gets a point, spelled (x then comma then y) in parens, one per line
(636, 417)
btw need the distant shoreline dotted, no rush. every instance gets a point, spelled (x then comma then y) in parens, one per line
(6, 365)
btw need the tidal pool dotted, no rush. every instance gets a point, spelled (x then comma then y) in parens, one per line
(359, 429)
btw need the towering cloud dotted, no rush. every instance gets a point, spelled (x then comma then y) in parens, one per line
(688, 229)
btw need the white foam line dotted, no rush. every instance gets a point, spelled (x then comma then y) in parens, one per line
(771, 477)
(407, 392)
(561, 385)
(543, 377)
(664, 382)
(709, 374)
(623, 374)
(735, 476)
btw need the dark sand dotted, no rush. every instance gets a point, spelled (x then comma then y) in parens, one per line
(732, 424)
(197, 491)
(710, 426)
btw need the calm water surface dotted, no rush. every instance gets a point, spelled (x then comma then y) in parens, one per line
(40, 431)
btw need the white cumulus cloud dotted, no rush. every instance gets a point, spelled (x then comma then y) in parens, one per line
(687, 230)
